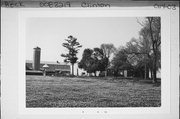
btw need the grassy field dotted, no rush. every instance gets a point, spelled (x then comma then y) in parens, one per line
(90, 92)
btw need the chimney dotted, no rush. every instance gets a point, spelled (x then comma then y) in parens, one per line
(36, 58)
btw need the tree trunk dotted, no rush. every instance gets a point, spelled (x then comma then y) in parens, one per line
(146, 75)
(106, 67)
(154, 45)
(151, 73)
(154, 77)
(106, 73)
(73, 69)
(145, 71)
(154, 71)
(142, 74)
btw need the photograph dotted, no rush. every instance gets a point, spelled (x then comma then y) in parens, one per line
(93, 62)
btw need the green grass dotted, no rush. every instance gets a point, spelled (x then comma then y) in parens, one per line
(90, 92)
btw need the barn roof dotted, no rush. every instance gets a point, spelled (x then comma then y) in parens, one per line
(47, 62)
(53, 66)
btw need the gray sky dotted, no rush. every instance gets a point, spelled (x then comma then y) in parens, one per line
(49, 34)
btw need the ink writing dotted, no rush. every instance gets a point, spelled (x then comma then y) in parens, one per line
(165, 6)
(12, 4)
(55, 4)
(87, 4)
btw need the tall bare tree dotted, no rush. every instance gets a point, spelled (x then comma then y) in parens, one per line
(137, 51)
(108, 49)
(154, 28)
(151, 31)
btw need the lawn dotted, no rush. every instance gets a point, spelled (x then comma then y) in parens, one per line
(90, 92)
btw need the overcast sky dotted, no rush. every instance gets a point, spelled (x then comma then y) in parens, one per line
(49, 34)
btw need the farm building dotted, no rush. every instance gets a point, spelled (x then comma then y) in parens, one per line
(54, 68)
(38, 67)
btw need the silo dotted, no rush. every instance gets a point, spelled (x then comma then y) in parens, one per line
(36, 58)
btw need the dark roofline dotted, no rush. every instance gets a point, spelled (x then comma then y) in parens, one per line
(48, 62)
